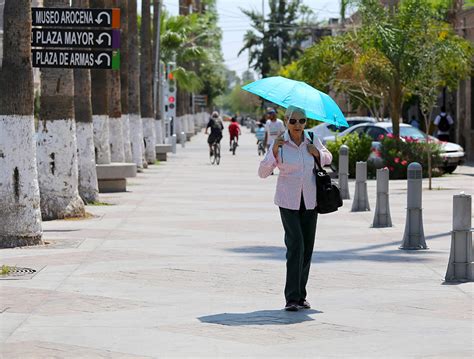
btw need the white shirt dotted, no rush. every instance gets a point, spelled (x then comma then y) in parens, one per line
(274, 129)
(296, 175)
(438, 118)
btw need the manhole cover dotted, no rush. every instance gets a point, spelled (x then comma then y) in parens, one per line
(18, 272)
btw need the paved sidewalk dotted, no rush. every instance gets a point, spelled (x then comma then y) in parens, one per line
(191, 263)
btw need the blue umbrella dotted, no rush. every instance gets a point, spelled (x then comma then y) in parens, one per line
(285, 92)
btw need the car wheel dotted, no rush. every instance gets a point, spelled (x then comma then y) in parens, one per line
(450, 169)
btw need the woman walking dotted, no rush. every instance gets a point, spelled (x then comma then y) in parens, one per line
(294, 153)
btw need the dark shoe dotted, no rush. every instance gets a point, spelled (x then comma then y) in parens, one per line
(304, 304)
(291, 306)
(211, 153)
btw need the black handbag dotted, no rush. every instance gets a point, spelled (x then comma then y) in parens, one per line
(328, 194)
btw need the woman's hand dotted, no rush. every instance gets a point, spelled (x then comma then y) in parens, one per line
(314, 151)
(279, 141)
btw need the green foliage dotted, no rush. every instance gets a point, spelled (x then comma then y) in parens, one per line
(359, 149)
(397, 154)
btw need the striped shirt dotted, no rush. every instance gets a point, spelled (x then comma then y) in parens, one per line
(296, 176)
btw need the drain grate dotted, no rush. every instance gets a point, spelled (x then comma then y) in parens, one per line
(18, 272)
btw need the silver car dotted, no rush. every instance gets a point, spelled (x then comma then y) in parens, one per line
(451, 153)
(324, 130)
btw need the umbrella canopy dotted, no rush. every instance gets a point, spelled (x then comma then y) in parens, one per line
(285, 92)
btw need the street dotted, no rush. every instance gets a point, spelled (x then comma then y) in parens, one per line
(190, 262)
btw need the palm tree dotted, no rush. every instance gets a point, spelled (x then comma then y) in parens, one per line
(20, 216)
(117, 153)
(88, 186)
(56, 142)
(100, 110)
(136, 129)
(124, 79)
(146, 84)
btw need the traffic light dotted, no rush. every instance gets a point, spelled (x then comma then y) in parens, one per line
(170, 92)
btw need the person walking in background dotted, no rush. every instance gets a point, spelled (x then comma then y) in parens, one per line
(294, 153)
(443, 123)
(274, 127)
(414, 122)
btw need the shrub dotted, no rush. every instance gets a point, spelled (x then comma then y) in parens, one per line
(397, 154)
(359, 149)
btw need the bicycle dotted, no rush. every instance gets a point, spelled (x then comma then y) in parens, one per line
(233, 146)
(261, 148)
(215, 155)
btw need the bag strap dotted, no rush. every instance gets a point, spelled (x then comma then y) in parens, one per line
(316, 161)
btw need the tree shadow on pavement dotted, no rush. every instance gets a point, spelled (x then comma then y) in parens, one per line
(260, 317)
(352, 254)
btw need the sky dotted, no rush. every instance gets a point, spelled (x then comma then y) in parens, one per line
(234, 24)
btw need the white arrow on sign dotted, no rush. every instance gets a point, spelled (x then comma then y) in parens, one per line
(100, 41)
(99, 61)
(99, 20)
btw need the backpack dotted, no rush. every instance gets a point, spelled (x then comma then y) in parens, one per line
(444, 124)
(328, 194)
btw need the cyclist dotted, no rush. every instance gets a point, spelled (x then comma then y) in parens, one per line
(216, 125)
(260, 133)
(234, 132)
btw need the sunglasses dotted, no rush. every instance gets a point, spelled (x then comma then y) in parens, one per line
(293, 121)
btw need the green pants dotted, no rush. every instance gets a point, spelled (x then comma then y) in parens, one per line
(300, 229)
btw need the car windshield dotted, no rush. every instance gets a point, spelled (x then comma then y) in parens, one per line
(410, 132)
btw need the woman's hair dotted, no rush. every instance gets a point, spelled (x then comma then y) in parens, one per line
(292, 110)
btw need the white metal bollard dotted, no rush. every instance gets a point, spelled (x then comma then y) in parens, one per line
(460, 265)
(344, 172)
(361, 199)
(382, 216)
(414, 236)
(182, 139)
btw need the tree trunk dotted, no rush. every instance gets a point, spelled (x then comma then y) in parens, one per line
(157, 105)
(136, 128)
(100, 113)
(146, 93)
(396, 105)
(124, 79)
(56, 142)
(20, 216)
(117, 153)
(88, 187)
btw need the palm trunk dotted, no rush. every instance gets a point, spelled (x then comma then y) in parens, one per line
(127, 147)
(57, 144)
(100, 113)
(117, 153)
(146, 93)
(136, 128)
(88, 187)
(156, 86)
(20, 216)
(396, 106)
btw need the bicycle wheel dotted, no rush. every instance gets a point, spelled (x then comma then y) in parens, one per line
(234, 146)
(217, 153)
(212, 156)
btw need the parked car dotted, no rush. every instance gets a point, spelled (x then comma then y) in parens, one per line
(451, 153)
(324, 130)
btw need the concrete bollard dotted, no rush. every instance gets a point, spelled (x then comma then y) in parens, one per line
(460, 265)
(382, 207)
(182, 139)
(361, 199)
(344, 172)
(173, 143)
(414, 237)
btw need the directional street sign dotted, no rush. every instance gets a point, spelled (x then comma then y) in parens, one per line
(105, 39)
(93, 59)
(67, 17)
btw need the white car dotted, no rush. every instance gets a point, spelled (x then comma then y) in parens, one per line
(324, 130)
(451, 153)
